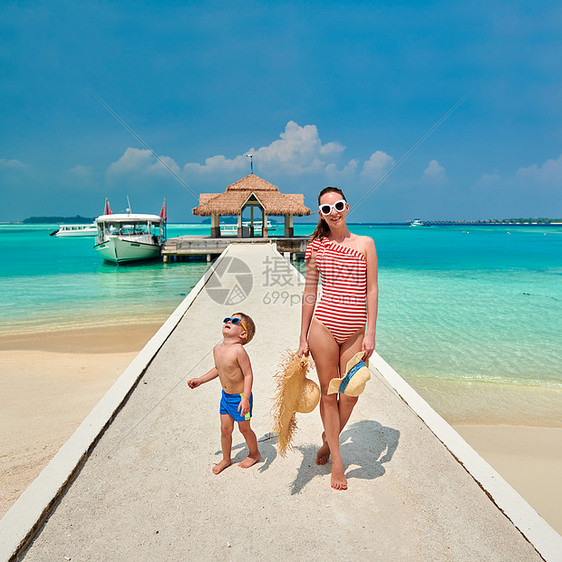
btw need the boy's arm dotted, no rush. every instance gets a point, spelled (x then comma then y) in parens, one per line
(246, 368)
(208, 376)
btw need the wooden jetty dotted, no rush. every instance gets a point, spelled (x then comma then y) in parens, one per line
(182, 247)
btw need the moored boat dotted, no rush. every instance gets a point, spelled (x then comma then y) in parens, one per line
(417, 222)
(71, 230)
(128, 237)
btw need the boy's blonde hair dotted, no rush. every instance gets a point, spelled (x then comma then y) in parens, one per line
(250, 326)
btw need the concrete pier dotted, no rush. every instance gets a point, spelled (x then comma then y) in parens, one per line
(183, 247)
(144, 490)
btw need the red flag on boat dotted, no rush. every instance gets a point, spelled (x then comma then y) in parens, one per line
(107, 210)
(163, 212)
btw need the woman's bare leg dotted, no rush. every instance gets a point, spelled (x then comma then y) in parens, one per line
(346, 403)
(348, 349)
(326, 354)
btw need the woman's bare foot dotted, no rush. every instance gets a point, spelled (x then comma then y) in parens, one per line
(339, 481)
(249, 461)
(323, 454)
(221, 466)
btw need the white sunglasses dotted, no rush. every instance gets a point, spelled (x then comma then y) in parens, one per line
(326, 208)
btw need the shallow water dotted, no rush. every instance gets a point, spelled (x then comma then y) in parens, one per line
(456, 303)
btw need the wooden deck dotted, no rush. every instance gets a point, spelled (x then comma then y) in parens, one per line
(176, 249)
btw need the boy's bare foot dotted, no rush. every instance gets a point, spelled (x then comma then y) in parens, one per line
(249, 461)
(323, 454)
(339, 481)
(221, 466)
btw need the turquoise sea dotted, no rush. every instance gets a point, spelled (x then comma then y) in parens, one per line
(457, 303)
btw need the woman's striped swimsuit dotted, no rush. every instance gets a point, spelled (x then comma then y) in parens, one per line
(343, 273)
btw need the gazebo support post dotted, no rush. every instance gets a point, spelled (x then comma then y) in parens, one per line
(264, 225)
(240, 233)
(215, 226)
(289, 225)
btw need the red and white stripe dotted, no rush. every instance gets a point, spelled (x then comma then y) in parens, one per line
(342, 307)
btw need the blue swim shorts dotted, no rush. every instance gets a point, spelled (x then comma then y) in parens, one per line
(230, 403)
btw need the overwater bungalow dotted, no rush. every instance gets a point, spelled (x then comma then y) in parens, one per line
(257, 194)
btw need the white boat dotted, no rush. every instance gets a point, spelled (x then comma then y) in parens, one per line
(130, 237)
(232, 228)
(417, 222)
(66, 230)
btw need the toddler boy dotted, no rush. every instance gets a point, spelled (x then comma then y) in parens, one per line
(232, 366)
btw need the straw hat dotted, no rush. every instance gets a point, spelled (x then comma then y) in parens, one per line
(357, 375)
(294, 393)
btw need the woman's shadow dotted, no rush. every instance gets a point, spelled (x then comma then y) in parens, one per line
(365, 445)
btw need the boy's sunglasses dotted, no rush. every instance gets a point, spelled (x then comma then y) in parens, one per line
(339, 206)
(235, 321)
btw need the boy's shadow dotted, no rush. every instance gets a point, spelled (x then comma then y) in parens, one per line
(365, 444)
(266, 446)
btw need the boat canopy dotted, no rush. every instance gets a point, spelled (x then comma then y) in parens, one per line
(129, 218)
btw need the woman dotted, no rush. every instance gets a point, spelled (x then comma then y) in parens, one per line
(343, 322)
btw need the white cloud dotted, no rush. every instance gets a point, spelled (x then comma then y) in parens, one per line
(549, 174)
(136, 161)
(434, 173)
(217, 165)
(332, 149)
(12, 165)
(299, 150)
(378, 163)
(350, 169)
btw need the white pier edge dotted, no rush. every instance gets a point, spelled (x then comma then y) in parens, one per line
(546, 541)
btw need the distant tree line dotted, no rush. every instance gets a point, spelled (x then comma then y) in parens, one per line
(533, 221)
(530, 220)
(78, 219)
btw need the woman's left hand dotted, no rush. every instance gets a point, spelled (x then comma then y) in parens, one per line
(368, 346)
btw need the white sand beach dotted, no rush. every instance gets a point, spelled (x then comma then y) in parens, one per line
(51, 381)
(529, 458)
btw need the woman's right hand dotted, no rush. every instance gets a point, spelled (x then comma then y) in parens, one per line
(303, 349)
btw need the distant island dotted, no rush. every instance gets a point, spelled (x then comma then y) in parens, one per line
(78, 219)
(520, 221)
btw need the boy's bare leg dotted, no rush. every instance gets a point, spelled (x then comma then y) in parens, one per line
(227, 425)
(252, 442)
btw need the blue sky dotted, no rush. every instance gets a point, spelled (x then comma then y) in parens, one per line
(323, 93)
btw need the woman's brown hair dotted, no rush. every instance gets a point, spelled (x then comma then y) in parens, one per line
(322, 229)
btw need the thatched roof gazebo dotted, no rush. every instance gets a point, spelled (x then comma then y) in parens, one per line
(251, 191)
